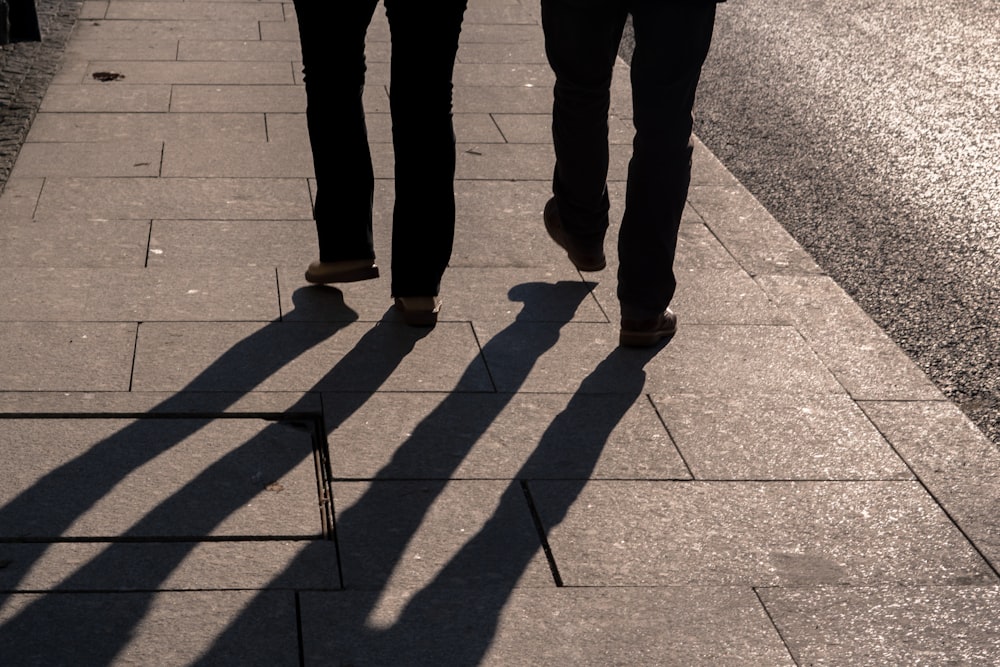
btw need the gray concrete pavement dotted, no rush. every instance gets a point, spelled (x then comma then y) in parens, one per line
(207, 461)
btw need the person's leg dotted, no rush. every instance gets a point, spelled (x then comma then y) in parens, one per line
(581, 44)
(424, 44)
(671, 42)
(332, 38)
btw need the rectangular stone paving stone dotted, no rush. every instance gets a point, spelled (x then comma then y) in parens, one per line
(753, 534)
(186, 72)
(237, 98)
(175, 566)
(865, 360)
(121, 159)
(565, 626)
(699, 359)
(159, 30)
(289, 356)
(214, 158)
(176, 199)
(232, 243)
(490, 436)
(901, 625)
(69, 294)
(747, 230)
(143, 628)
(64, 127)
(239, 51)
(158, 478)
(127, 10)
(83, 49)
(120, 97)
(61, 356)
(416, 534)
(82, 244)
(957, 463)
(778, 438)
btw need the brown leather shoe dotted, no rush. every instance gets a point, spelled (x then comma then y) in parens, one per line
(343, 271)
(644, 333)
(419, 311)
(585, 256)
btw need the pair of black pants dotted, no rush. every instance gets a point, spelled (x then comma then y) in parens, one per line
(424, 39)
(672, 39)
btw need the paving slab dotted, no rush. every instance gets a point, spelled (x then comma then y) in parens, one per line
(748, 231)
(143, 628)
(606, 533)
(130, 127)
(290, 406)
(125, 159)
(82, 49)
(864, 359)
(243, 51)
(175, 566)
(217, 98)
(778, 438)
(429, 534)
(66, 356)
(106, 478)
(940, 625)
(232, 243)
(498, 436)
(160, 30)
(175, 199)
(129, 10)
(19, 199)
(699, 359)
(955, 461)
(188, 72)
(142, 295)
(124, 97)
(290, 356)
(216, 158)
(564, 626)
(83, 244)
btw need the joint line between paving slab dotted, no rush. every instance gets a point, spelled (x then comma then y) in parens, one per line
(298, 628)
(543, 540)
(767, 612)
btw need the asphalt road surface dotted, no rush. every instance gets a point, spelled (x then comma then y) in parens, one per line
(871, 131)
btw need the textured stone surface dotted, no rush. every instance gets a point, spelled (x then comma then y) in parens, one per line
(753, 534)
(955, 461)
(175, 199)
(84, 244)
(428, 534)
(564, 626)
(66, 356)
(778, 437)
(145, 295)
(857, 351)
(943, 625)
(191, 566)
(700, 359)
(506, 436)
(157, 478)
(142, 628)
(289, 356)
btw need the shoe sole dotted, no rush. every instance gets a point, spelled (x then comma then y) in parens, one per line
(352, 276)
(418, 318)
(644, 338)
